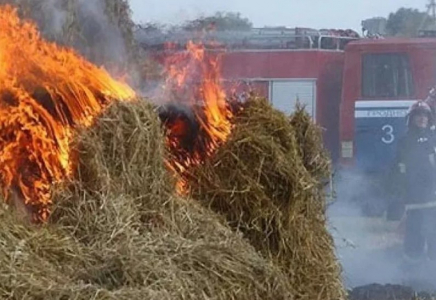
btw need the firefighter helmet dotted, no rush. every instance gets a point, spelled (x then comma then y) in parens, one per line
(420, 107)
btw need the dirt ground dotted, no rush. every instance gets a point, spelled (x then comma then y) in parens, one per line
(370, 250)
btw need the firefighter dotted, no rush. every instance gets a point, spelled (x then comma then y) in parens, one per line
(416, 164)
(431, 101)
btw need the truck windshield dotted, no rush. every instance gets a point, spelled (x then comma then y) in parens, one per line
(386, 75)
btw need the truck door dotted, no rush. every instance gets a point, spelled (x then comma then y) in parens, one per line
(378, 126)
(386, 94)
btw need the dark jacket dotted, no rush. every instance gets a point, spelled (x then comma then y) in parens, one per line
(416, 163)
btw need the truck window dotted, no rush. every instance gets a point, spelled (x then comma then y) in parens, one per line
(386, 75)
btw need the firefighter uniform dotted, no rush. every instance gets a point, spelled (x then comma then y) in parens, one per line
(416, 162)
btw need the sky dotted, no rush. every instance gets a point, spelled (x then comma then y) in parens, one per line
(318, 14)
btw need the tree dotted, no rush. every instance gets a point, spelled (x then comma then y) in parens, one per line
(405, 22)
(152, 28)
(220, 21)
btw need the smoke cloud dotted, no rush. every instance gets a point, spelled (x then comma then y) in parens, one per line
(56, 17)
(94, 28)
(370, 249)
(98, 28)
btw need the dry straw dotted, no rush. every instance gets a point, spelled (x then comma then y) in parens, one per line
(266, 180)
(118, 233)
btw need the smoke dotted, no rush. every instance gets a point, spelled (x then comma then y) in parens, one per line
(99, 29)
(370, 248)
(156, 91)
(93, 28)
(55, 19)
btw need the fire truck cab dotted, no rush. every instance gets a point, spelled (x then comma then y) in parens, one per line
(382, 78)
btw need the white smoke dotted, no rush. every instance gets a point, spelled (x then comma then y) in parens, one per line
(99, 26)
(370, 249)
(56, 17)
(99, 39)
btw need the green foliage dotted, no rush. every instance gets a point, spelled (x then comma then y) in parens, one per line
(219, 21)
(405, 22)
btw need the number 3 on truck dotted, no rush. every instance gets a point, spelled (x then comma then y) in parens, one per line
(388, 137)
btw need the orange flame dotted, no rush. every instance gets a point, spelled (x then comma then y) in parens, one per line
(45, 92)
(195, 78)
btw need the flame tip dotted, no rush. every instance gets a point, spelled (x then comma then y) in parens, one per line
(46, 92)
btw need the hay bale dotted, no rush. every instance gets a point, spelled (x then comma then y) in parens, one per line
(265, 180)
(35, 262)
(119, 233)
(309, 139)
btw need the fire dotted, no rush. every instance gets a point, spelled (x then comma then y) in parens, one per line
(45, 92)
(195, 79)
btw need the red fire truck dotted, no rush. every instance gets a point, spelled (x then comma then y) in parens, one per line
(306, 65)
(381, 79)
(357, 89)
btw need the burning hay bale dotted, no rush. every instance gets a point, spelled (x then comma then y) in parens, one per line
(314, 156)
(122, 206)
(47, 92)
(118, 232)
(265, 180)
